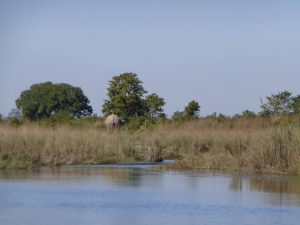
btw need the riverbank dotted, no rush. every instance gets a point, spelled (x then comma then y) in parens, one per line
(252, 145)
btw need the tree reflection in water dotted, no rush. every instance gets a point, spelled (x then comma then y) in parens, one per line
(287, 188)
(124, 177)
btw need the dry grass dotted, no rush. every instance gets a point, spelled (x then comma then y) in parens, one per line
(260, 145)
(30, 145)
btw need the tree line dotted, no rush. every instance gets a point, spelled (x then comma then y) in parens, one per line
(128, 99)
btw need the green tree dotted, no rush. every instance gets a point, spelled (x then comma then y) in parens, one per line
(155, 105)
(178, 116)
(126, 98)
(278, 104)
(296, 104)
(47, 99)
(192, 110)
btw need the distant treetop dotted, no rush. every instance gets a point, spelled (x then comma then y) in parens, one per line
(278, 104)
(190, 112)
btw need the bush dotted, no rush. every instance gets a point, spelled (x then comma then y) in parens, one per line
(59, 118)
(135, 123)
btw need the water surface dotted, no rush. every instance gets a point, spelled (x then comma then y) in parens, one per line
(142, 195)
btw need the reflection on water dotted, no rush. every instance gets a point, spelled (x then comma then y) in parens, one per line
(140, 194)
(236, 184)
(118, 176)
(276, 190)
(279, 185)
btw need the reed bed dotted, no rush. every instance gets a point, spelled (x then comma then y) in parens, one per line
(251, 145)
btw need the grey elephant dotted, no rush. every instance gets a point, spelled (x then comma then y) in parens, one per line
(112, 122)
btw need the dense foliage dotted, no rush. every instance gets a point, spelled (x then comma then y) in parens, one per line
(155, 105)
(126, 98)
(281, 104)
(277, 103)
(190, 112)
(47, 99)
(296, 104)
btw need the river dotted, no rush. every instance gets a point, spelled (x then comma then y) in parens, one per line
(144, 195)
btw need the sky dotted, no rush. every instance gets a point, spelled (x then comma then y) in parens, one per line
(224, 54)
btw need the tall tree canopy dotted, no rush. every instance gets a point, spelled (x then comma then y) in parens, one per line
(296, 104)
(278, 104)
(126, 98)
(155, 105)
(45, 99)
(192, 110)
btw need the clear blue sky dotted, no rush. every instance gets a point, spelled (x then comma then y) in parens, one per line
(224, 54)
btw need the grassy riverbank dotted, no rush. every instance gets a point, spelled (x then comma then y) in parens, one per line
(246, 144)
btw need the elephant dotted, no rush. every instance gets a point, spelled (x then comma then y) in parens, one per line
(112, 122)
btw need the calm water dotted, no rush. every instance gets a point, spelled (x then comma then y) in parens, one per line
(142, 195)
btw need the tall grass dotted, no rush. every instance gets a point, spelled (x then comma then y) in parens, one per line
(254, 144)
